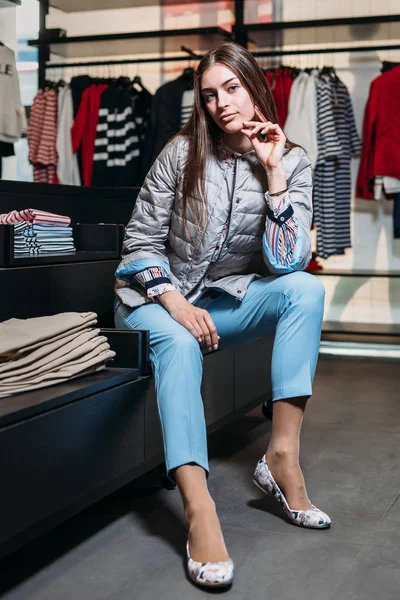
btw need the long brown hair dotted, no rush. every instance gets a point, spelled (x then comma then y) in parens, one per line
(203, 133)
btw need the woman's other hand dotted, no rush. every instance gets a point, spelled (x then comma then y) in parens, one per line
(196, 320)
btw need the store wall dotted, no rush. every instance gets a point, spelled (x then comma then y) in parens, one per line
(347, 299)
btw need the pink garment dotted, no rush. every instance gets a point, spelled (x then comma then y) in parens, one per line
(42, 136)
(34, 216)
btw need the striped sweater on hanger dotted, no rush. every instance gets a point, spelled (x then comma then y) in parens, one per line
(117, 145)
(338, 141)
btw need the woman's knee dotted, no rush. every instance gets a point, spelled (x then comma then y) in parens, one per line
(307, 290)
(183, 341)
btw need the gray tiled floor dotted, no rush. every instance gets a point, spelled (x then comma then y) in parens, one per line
(131, 544)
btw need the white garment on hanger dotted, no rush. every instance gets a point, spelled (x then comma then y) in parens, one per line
(390, 185)
(301, 123)
(12, 113)
(67, 167)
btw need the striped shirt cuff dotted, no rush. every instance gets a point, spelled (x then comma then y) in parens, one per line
(155, 280)
(281, 231)
(280, 209)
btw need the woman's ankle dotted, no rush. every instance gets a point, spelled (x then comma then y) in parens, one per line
(199, 508)
(282, 454)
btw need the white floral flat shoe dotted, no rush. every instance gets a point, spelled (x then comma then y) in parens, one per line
(312, 518)
(210, 574)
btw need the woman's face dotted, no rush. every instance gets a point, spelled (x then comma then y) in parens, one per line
(227, 101)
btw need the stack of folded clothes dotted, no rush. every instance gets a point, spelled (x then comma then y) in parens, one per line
(43, 351)
(39, 232)
(42, 239)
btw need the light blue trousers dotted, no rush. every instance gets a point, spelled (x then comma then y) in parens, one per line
(292, 305)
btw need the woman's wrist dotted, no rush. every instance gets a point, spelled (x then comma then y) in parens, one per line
(170, 298)
(276, 178)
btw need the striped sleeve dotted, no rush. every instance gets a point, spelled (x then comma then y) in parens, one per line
(155, 280)
(282, 235)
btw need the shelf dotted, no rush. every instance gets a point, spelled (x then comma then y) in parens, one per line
(28, 260)
(356, 273)
(143, 42)
(89, 5)
(9, 3)
(93, 242)
(323, 32)
(281, 25)
(28, 404)
(130, 363)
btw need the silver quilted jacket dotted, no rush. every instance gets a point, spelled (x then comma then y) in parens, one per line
(155, 234)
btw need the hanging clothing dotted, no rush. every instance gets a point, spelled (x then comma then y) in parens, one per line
(116, 160)
(280, 81)
(396, 216)
(329, 149)
(187, 106)
(381, 133)
(6, 149)
(388, 66)
(67, 167)
(78, 85)
(12, 113)
(346, 131)
(42, 135)
(141, 106)
(166, 117)
(84, 129)
(301, 122)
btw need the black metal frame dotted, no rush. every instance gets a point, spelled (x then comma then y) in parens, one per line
(240, 33)
(329, 50)
(256, 54)
(134, 35)
(278, 25)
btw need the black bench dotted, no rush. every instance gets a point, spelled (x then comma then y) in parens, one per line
(66, 446)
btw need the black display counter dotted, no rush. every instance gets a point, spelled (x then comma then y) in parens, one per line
(66, 446)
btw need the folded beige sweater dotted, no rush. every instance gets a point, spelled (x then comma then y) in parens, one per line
(23, 335)
(43, 351)
(70, 371)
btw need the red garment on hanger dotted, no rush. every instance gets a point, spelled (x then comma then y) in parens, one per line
(83, 131)
(280, 81)
(381, 133)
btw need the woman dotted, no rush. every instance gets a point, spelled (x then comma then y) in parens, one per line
(226, 196)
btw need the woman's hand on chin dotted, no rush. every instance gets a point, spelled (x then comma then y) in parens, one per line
(268, 141)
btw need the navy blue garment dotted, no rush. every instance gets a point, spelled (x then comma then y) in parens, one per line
(396, 216)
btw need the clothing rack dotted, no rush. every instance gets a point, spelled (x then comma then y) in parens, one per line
(190, 52)
(333, 49)
(241, 33)
(193, 56)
